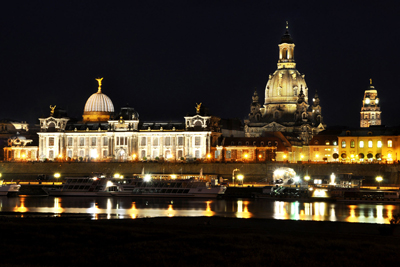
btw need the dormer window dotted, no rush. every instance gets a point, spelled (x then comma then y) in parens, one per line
(367, 101)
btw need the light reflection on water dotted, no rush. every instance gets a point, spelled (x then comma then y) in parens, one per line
(103, 207)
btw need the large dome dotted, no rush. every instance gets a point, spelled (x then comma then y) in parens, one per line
(98, 107)
(284, 87)
(99, 102)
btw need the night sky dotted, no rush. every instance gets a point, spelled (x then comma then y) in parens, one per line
(163, 57)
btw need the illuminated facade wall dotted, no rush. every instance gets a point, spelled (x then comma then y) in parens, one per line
(122, 140)
(371, 148)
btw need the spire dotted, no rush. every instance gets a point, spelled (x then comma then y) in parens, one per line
(316, 99)
(286, 38)
(301, 96)
(99, 81)
(255, 96)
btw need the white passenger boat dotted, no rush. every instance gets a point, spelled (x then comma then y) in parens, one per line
(167, 188)
(9, 189)
(94, 186)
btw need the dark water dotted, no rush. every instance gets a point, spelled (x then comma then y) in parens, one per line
(106, 208)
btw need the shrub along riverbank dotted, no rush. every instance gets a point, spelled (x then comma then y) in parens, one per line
(204, 241)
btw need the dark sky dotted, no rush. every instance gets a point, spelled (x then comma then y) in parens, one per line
(163, 57)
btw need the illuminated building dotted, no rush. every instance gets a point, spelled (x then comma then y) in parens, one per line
(371, 144)
(370, 110)
(104, 136)
(18, 149)
(324, 147)
(286, 107)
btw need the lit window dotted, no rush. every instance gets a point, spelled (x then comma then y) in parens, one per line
(367, 101)
(327, 142)
(334, 143)
(352, 144)
(343, 144)
(51, 141)
(370, 143)
(379, 144)
(361, 144)
(390, 143)
(197, 141)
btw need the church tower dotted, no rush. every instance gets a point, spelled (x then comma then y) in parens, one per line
(286, 107)
(370, 110)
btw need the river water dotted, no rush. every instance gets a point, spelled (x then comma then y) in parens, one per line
(125, 208)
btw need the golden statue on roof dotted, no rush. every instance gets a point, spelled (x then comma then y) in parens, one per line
(52, 110)
(99, 81)
(198, 107)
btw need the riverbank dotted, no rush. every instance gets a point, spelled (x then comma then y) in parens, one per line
(194, 241)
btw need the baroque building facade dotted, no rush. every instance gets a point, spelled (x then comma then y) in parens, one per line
(370, 110)
(286, 107)
(104, 136)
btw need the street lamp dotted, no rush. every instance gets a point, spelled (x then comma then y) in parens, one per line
(233, 176)
(57, 175)
(379, 180)
(240, 177)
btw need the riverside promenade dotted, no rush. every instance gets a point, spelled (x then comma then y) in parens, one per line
(253, 172)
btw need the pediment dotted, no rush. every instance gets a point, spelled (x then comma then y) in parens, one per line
(274, 126)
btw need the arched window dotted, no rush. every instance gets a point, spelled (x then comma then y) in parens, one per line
(361, 145)
(369, 143)
(389, 143)
(247, 143)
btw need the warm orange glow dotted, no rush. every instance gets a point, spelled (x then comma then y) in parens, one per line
(209, 156)
(23, 156)
(134, 156)
(284, 156)
(246, 156)
(259, 156)
(60, 156)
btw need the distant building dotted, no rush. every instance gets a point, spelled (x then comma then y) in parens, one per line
(18, 149)
(370, 110)
(286, 107)
(10, 128)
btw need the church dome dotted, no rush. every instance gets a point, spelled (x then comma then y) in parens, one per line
(98, 107)
(284, 87)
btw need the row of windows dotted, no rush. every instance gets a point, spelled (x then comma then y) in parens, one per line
(167, 155)
(124, 141)
(369, 143)
(167, 141)
(255, 143)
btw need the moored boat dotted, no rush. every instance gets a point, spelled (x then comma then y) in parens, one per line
(8, 189)
(95, 186)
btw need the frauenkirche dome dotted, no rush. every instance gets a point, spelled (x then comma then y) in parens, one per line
(98, 107)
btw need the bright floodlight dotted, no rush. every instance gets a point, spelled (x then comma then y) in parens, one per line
(57, 175)
(147, 178)
(379, 178)
(240, 177)
(117, 175)
(109, 183)
(173, 176)
(307, 178)
(296, 179)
